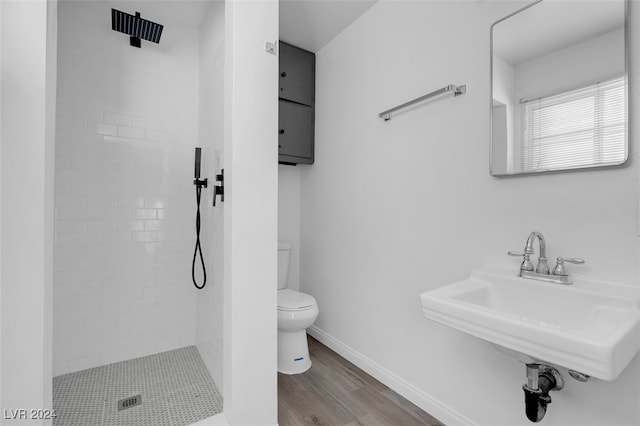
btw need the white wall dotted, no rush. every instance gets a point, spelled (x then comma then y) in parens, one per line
(392, 209)
(28, 85)
(210, 309)
(502, 136)
(250, 210)
(125, 200)
(1, 107)
(289, 217)
(597, 59)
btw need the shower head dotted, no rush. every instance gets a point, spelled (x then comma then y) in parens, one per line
(136, 27)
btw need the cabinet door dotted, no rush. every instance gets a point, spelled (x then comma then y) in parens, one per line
(297, 74)
(295, 137)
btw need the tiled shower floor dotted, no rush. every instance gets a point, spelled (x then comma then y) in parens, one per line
(176, 389)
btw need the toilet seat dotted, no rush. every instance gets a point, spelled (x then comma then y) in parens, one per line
(291, 300)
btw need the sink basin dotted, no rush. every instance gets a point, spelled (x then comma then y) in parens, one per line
(590, 326)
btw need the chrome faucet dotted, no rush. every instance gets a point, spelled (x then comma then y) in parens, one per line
(526, 265)
(559, 274)
(542, 267)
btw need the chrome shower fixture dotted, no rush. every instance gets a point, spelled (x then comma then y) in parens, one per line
(136, 27)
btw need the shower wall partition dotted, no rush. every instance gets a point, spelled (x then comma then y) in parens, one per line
(250, 208)
(209, 303)
(127, 123)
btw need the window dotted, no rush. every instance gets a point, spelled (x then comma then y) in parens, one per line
(580, 128)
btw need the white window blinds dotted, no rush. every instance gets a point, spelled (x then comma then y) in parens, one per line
(580, 128)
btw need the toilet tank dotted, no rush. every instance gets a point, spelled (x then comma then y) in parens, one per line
(284, 254)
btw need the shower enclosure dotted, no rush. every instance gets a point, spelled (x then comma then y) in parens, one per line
(130, 111)
(113, 141)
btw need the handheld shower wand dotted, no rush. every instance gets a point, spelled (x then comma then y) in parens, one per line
(199, 183)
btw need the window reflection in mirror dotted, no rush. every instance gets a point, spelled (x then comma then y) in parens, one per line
(559, 87)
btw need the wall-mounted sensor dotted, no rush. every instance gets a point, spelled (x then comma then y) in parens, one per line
(136, 27)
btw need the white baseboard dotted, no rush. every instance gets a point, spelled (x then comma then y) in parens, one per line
(437, 409)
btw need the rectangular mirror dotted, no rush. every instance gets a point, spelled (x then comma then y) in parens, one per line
(559, 87)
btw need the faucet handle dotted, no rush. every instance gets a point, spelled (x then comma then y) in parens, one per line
(526, 263)
(561, 270)
(574, 260)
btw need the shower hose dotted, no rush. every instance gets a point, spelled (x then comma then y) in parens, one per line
(198, 246)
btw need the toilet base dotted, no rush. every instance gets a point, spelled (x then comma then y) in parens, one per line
(293, 352)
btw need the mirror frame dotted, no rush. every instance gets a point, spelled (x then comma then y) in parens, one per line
(627, 49)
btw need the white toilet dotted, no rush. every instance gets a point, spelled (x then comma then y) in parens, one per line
(296, 312)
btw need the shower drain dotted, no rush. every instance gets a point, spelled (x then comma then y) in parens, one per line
(132, 401)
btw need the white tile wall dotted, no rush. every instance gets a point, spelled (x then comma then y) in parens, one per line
(124, 200)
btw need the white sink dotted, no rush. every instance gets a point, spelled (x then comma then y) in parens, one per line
(590, 326)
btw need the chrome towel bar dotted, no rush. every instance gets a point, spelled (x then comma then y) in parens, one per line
(457, 90)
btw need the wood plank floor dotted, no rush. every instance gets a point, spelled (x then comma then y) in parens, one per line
(334, 392)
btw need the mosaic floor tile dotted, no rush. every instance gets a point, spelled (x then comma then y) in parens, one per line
(176, 390)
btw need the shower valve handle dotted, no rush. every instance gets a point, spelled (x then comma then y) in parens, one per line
(218, 189)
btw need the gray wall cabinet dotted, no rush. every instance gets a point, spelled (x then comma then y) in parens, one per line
(296, 105)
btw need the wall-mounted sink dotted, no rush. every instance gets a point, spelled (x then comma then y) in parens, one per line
(591, 326)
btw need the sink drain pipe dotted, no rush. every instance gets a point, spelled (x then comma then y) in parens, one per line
(541, 379)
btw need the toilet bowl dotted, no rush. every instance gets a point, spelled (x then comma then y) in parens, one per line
(297, 311)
